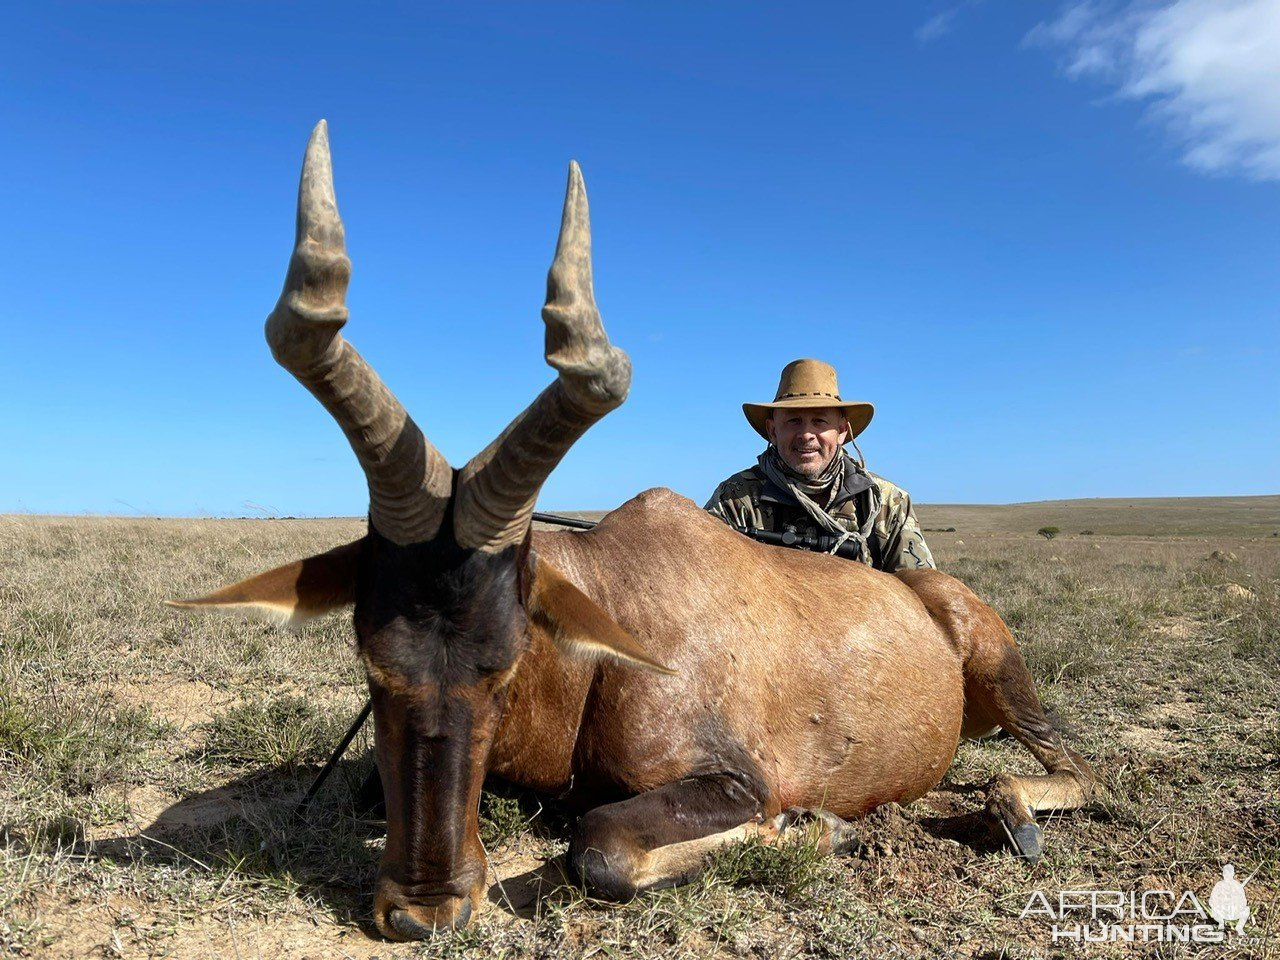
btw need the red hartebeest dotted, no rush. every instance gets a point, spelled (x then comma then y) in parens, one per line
(725, 685)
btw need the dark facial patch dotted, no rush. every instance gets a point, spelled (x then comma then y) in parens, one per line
(430, 758)
(434, 613)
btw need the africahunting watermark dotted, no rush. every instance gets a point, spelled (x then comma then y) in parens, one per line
(1146, 916)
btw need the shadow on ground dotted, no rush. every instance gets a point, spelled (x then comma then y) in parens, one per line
(249, 830)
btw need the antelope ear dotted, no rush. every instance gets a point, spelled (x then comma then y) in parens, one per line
(576, 624)
(297, 592)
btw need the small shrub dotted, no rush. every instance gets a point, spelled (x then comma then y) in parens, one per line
(74, 744)
(1086, 533)
(286, 732)
(501, 819)
(1254, 629)
(788, 868)
(1048, 532)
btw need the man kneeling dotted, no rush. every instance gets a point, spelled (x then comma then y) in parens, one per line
(806, 483)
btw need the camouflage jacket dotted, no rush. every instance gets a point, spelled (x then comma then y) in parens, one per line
(894, 542)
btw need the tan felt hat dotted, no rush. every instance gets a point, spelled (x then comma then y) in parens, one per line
(809, 383)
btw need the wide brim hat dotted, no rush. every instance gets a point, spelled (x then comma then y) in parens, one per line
(809, 383)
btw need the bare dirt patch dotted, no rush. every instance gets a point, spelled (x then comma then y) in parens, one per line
(184, 703)
(1176, 628)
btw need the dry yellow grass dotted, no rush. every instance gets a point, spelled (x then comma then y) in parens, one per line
(149, 762)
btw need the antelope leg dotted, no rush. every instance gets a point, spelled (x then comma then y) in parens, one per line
(661, 838)
(1000, 687)
(664, 838)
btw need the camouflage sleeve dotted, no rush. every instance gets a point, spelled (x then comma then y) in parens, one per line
(903, 542)
(733, 505)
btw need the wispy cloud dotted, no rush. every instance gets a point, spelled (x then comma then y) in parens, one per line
(937, 25)
(1209, 71)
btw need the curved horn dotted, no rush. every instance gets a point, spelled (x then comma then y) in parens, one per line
(497, 489)
(409, 480)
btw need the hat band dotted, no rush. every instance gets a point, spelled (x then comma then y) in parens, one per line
(790, 396)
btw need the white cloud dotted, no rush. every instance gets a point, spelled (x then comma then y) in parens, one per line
(944, 21)
(937, 25)
(1209, 71)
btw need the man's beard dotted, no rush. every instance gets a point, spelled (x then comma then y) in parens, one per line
(818, 475)
(814, 470)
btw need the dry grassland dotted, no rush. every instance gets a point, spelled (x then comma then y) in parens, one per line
(1162, 517)
(150, 761)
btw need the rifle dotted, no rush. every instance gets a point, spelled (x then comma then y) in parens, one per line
(819, 543)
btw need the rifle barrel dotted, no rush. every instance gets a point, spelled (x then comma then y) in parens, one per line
(564, 521)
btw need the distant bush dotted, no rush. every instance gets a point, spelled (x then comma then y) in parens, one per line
(1048, 532)
(1086, 533)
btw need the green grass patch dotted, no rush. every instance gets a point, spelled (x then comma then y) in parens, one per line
(282, 732)
(73, 743)
(501, 819)
(788, 868)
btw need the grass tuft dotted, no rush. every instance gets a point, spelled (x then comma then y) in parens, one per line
(786, 868)
(501, 819)
(280, 733)
(73, 743)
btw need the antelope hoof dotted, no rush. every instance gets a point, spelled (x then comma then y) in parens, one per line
(838, 835)
(1027, 839)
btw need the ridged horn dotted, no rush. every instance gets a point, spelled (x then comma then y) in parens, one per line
(498, 488)
(409, 480)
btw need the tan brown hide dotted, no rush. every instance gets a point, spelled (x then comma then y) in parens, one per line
(832, 677)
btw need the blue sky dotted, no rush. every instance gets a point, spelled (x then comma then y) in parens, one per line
(1048, 255)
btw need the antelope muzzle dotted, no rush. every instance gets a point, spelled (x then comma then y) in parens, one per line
(432, 750)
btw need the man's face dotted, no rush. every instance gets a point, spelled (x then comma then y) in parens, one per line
(808, 438)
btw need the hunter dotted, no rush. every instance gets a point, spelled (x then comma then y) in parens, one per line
(806, 483)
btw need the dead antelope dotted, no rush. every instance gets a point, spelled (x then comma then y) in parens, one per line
(688, 686)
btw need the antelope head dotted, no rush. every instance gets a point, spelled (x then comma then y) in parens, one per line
(445, 587)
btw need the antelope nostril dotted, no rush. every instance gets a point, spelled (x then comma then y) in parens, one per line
(411, 928)
(403, 923)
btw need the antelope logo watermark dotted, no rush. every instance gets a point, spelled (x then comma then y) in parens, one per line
(1147, 916)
